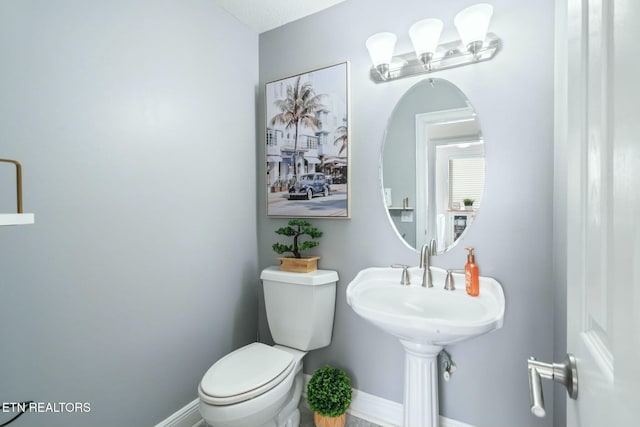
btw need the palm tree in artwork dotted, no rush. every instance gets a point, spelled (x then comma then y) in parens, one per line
(342, 139)
(298, 108)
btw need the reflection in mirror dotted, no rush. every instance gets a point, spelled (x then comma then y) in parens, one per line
(432, 165)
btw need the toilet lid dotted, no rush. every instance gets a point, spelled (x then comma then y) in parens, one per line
(246, 373)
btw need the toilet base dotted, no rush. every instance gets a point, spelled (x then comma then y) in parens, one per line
(289, 416)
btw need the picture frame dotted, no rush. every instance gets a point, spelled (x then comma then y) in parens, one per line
(307, 141)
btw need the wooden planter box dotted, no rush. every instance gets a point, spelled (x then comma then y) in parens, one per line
(321, 421)
(299, 265)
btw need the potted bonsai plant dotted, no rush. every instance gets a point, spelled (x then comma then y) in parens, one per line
(329, 396)
(297, 228)
(468, 203)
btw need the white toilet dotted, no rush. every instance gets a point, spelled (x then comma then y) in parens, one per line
(260, 385)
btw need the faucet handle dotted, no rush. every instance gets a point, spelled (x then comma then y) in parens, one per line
(405, 279)
(449, 283)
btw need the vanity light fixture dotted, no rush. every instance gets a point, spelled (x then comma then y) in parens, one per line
(475, 45)
(380, 48)
(472, 24)
(425, 36)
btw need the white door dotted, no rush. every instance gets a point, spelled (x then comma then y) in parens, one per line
(602, 118)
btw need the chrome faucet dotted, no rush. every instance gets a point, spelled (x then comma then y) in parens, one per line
(427, 250)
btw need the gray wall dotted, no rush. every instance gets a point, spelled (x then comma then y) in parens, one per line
(513, 96)
(135, 123)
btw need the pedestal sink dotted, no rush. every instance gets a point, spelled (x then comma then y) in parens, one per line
(425, 320)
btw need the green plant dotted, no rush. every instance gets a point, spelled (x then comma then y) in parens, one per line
(297, 228)
(329, 392)
(468, 202)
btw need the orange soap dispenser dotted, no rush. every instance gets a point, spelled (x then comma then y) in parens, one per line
(472, 275)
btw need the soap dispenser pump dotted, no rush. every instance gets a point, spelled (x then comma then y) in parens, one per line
(471, 275)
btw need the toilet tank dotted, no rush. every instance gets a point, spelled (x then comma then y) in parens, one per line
(300, 306)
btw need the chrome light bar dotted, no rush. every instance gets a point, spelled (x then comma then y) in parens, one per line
(448, 55)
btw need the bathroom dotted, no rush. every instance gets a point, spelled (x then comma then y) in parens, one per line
(140, 127)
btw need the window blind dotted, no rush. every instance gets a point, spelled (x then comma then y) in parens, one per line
(466, 180)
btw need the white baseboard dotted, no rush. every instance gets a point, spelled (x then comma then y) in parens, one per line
(368, 407)
(383, 412)
(188, 416)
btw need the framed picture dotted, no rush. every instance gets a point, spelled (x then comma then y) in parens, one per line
(307, 144)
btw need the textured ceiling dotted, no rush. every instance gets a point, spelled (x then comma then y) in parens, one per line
(265, 15)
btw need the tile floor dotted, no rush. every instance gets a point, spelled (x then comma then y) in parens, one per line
(306, 418)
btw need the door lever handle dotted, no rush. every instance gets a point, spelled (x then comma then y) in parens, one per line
(565, 373)
(535, 394)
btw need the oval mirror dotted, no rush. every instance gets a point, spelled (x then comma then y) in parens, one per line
(432, 165)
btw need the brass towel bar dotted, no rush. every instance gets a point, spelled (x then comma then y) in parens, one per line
(18, 181)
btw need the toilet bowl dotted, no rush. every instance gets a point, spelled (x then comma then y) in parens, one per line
(259, 385)
(256, 385)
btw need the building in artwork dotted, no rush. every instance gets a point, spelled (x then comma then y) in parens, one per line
(320, 148)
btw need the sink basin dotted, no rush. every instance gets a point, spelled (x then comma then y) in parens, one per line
(424, 320)
(426, 315)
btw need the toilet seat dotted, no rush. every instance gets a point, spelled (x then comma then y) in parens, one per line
(245, 373)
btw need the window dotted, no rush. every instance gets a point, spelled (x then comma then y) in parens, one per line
(466, 180)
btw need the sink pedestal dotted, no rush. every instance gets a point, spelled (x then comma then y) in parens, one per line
(421, 384)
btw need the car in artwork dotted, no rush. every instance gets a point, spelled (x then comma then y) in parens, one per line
(309, 186)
